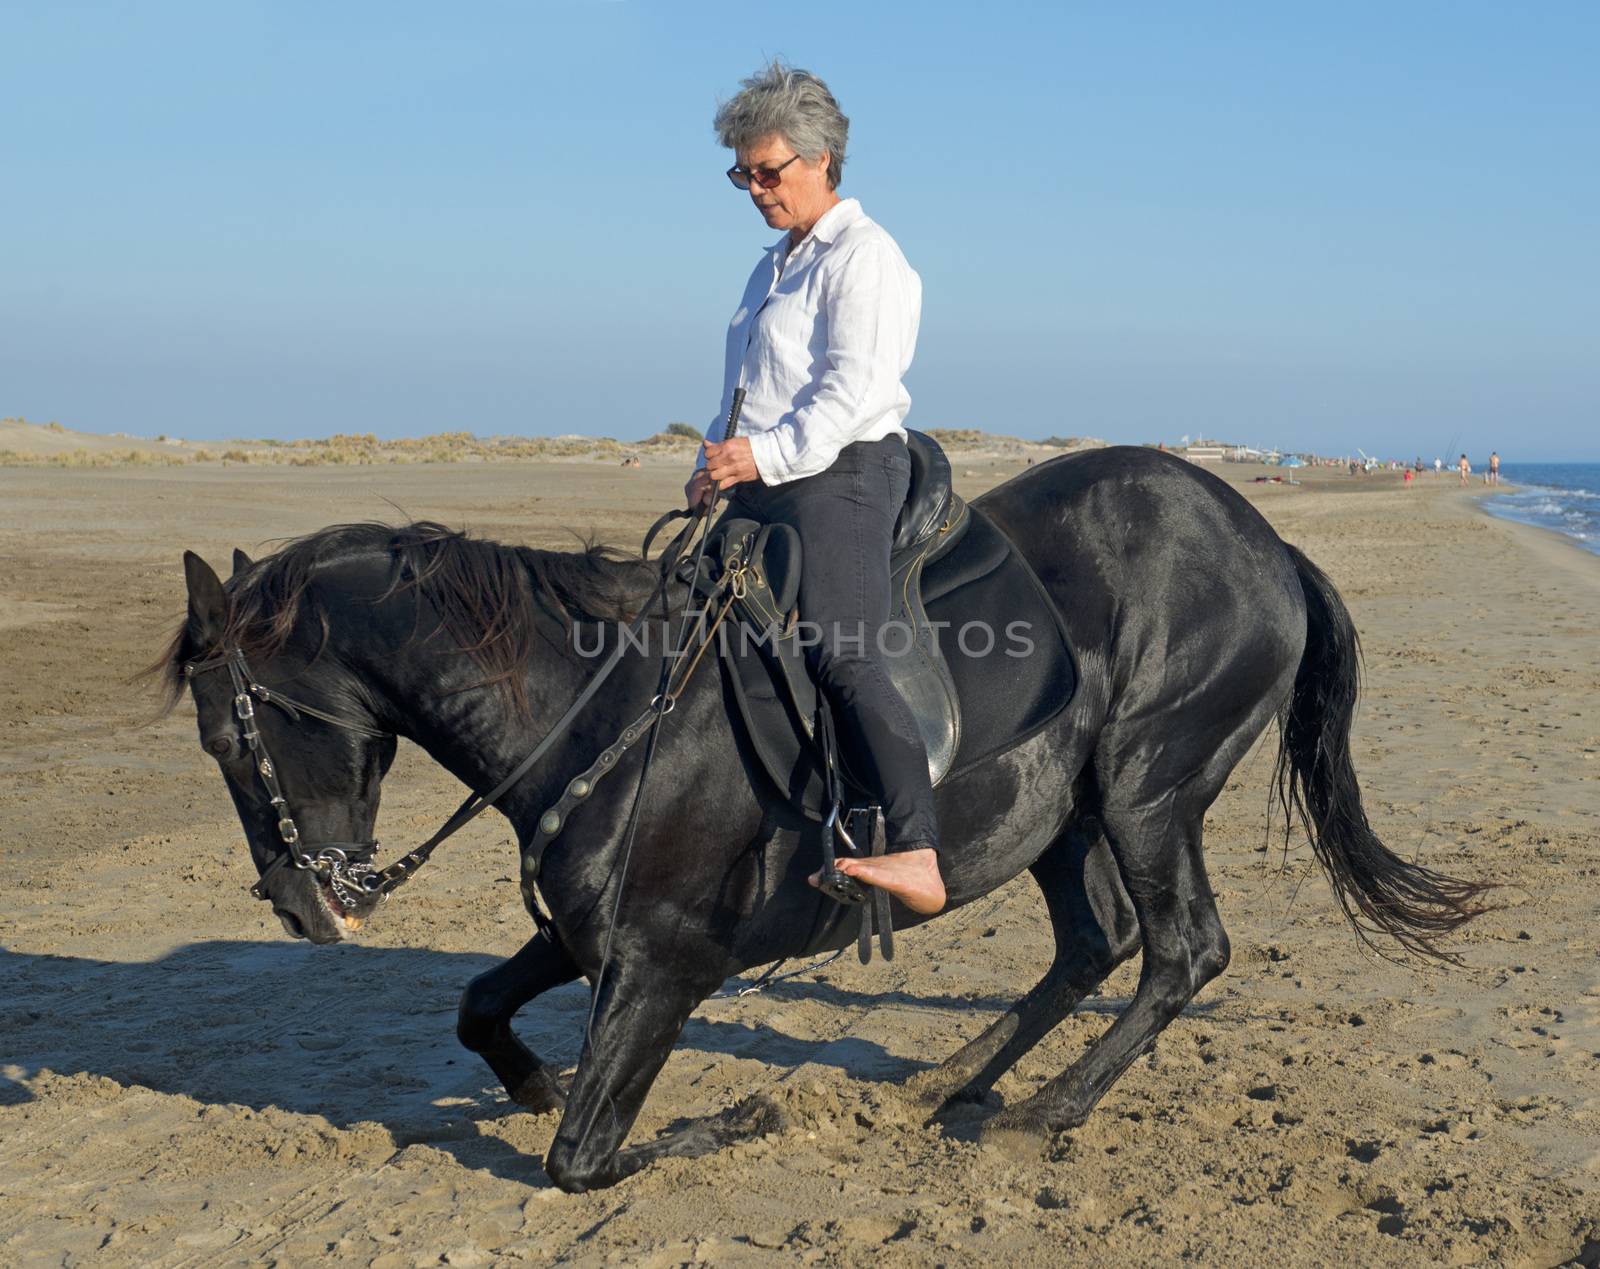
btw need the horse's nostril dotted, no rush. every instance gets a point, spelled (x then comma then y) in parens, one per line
(291, 923)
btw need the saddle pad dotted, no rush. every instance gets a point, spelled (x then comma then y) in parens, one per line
(1005, 698)
(990, 607)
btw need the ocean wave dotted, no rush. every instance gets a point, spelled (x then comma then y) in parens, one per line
(1563, 498)
(1579, 523)
(1523, 489)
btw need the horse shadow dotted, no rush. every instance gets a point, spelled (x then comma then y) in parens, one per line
(352, 1034)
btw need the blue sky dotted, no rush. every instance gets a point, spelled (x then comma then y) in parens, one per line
(1314, 226)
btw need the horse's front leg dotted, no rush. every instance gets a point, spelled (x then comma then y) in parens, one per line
(639, 1012)
(488, 1004)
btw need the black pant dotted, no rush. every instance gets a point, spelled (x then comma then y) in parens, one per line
(845, 517)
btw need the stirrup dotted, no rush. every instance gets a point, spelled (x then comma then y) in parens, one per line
(833, 883)
(873, 916)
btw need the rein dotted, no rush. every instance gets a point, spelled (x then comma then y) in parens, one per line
(346, 867)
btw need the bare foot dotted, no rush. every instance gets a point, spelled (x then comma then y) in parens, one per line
(910, 876)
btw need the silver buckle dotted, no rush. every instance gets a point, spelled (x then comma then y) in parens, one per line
(835, 824)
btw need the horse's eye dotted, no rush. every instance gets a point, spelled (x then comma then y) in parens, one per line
(221, 747)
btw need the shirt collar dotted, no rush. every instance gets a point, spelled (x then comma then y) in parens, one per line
(837, 219)
(829, 226)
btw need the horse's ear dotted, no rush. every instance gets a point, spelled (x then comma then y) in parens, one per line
(208, 606)
(241, 561)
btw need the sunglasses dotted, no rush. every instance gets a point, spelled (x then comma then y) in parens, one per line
(766, 177)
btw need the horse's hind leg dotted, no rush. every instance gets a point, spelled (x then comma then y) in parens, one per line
(483, 1023)
(1157, 847)
(1095, 931)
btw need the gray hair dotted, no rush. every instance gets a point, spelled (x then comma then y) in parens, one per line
(795, 105)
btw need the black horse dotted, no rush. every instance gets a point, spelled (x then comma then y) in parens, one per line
(1193, 624)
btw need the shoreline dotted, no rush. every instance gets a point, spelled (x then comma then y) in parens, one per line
(1550, 545)
(1581, 545)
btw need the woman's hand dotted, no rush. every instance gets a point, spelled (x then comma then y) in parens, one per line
(698, 491)
(731, 462)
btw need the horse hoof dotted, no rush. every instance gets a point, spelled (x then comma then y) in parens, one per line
(926, 1094)
(1020, 1138)
(932, 1097)
(755, 1116)
(932, 1102)
(540, 1094)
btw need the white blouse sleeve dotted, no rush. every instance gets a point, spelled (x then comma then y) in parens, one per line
(870, 306)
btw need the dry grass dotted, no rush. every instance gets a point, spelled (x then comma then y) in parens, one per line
(93, 458)
(359, 449)
(366, 449)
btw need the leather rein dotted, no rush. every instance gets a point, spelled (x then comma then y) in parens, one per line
(346, 867)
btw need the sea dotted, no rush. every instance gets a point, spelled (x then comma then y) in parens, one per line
(1564, 497)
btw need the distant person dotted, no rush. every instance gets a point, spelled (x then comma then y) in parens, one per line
(1494, 467)
(1465, 468)
(1409, 476)
(1438, 466)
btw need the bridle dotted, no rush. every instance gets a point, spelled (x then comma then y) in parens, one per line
(346, 867)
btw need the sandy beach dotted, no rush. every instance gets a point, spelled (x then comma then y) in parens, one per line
(181, 1084)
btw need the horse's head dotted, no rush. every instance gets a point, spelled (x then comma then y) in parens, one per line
(301, 755)
(303, 667)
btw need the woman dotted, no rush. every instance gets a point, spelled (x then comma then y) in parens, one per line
(820, 343)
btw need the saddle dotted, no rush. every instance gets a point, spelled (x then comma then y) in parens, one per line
(979, 654)
(777, 696)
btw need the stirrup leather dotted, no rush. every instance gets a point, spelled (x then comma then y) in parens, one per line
(872, 903)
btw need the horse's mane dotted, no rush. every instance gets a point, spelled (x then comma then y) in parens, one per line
(480, 589)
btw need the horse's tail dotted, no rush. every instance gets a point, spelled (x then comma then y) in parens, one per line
(1379, 891)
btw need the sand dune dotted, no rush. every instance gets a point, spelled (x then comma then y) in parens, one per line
(49, 444)
(27, 440)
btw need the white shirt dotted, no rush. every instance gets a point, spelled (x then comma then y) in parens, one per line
(820, 343)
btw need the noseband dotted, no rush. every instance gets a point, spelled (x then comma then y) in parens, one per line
(345, 867)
